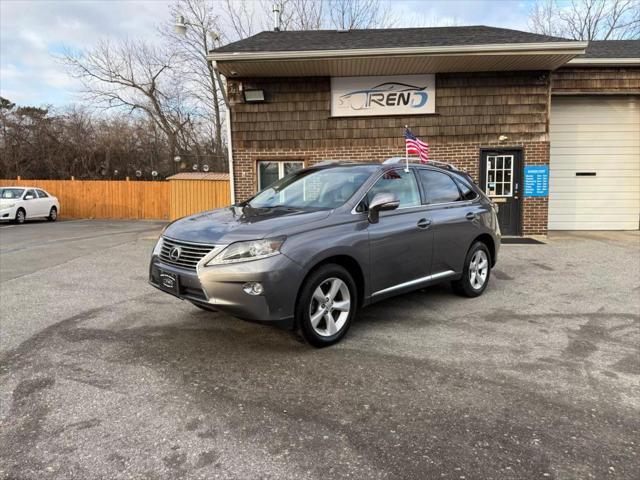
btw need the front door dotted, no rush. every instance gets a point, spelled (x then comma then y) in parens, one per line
(501, 180)
(401, 243)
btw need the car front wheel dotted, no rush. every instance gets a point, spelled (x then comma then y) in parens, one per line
(326, 305)
(477, 270)
(20, 216)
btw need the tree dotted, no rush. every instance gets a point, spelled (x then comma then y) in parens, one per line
(197, 74)
(352, 14)
(243, 18)
(587, 19)
(136, 76)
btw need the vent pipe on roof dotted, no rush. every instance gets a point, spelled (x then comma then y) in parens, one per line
(277, 13)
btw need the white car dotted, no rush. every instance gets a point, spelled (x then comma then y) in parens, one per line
(20, 203)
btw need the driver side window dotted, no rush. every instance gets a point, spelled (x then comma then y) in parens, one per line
(402, 184)
(30, 192)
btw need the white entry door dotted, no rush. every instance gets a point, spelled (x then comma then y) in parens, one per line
(594, 181)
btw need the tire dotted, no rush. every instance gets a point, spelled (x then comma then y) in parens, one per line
(476, 273)
(53, 214)
(21, 215)
(203, 307)
(321, 322)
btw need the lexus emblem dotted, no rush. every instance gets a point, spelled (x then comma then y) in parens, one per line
(174, 254)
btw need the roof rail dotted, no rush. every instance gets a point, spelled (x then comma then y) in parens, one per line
(324, 163)
(398, 160)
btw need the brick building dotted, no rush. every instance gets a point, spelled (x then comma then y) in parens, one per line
(490, 101)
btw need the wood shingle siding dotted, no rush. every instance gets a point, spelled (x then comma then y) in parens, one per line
(596, 80)
(470, 107)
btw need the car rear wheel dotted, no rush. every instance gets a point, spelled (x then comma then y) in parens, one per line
(326, 305)
(477, 270)
(20, 216)
(53, 214)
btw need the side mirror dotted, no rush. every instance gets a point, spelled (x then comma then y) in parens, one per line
(29, 197)
(381, 202)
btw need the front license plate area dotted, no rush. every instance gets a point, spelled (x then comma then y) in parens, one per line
(169, 282)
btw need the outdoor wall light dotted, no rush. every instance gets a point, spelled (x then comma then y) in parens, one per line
(253, 96)
(503, 138)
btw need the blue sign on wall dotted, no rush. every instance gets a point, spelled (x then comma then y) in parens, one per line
(536, 180)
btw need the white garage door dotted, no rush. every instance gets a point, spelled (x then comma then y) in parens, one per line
(594, 181)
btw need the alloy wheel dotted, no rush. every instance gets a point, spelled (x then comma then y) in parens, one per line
(330, 307)
(478, 269)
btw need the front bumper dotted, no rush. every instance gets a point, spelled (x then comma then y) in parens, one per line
(8, 214)
(221, 287)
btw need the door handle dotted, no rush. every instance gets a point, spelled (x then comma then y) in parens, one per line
(471, 216)
(424, 223)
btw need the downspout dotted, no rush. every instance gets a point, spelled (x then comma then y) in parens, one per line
(232, 182)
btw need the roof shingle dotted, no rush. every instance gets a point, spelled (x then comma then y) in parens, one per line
(612, 49)
(306, 40)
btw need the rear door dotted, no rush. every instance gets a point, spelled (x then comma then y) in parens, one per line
(401, 242)
(454, 215)
(44, 202)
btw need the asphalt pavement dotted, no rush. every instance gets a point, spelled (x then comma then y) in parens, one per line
(104, 377)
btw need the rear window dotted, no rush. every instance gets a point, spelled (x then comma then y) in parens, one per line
(466, 191)
(42, 194)
(440, 187)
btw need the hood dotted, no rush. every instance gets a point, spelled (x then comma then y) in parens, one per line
(233, 224)
(8, 201)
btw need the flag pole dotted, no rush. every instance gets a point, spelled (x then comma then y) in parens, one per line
(406, 152)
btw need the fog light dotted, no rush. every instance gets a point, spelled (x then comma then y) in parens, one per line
(253, 288)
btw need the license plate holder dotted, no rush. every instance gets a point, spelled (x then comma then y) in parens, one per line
(169, 282)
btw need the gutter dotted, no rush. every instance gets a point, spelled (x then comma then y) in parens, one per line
(232, 183)
(596, 62)
(570, 48)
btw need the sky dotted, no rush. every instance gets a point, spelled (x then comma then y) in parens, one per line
(34, 32)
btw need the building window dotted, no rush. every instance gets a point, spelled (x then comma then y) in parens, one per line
(269, 172)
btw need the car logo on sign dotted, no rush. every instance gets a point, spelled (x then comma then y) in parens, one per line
(174, 254)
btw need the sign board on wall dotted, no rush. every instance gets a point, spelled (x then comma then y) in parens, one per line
(389, 95)
(536, 181)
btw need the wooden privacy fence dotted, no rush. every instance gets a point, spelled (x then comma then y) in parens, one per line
(123, 199)
(193, 192)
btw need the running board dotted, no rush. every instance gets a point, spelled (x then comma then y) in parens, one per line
(417, 281)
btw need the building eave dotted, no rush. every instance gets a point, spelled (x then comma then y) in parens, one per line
(601, 62)
(576, 48)
(389, 61)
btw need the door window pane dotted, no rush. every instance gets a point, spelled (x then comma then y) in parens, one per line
(440, 187)
(42, 194)
(402, 184)
(499, 175)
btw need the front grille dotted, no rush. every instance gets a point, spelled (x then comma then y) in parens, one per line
(190, 253)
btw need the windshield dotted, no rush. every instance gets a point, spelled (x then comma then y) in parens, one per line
(313, 189)
(11, 192)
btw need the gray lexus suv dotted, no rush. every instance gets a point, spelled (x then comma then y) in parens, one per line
(311, 249)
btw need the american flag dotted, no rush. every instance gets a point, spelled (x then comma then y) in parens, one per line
(416, 146)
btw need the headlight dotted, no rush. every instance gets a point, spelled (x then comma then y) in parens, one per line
(158, 248)
(11, 205)
(251, 250)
